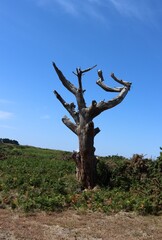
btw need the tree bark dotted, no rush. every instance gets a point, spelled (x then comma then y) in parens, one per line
(86, 172)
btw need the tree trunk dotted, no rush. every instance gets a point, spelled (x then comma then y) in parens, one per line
(86, 163)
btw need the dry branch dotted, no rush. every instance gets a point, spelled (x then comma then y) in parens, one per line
(64, 81)
(69, 107)
(127, 84)
(70, 125)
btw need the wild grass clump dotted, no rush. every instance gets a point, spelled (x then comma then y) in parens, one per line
(41, 179)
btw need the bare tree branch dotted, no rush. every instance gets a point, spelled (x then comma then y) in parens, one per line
(115, 101)
(70, 125)
(96, 131)
(96, 109)
(127, 84)
(100, 75)
(64, 81)
(108, 89)
(88, 69)
(80, 100)
(85, 70)
(79, 94)
(69, 107)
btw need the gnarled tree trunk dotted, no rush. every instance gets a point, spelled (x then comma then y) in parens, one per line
(87, 167)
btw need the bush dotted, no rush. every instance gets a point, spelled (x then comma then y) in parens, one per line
(7, 140)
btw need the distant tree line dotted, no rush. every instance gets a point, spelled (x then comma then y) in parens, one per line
(7, 140)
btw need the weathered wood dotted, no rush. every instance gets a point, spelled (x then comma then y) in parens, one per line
(127, 84)
(70, 125)
(102, 106)
(84, 127)
(64, 81)
(108, 89)
(69, 107)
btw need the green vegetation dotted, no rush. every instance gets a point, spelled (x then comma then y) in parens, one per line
(7, 140)
(42, 179)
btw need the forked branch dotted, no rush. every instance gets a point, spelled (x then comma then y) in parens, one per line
(109, 89)
(69, 107)
(102, 106)
(96, 108)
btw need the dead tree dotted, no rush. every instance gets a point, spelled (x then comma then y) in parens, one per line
(83, 116)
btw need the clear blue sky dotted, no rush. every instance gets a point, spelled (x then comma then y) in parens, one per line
(120, 36)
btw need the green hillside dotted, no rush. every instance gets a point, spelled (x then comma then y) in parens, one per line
(41, 179)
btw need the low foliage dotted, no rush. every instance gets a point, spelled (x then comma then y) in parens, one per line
(7, 140)
(42, 179)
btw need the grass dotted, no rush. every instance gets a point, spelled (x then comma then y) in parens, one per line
(42, 179)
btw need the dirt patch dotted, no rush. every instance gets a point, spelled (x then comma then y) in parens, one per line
(72, 225)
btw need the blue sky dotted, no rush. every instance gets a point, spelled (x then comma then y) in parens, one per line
(120, 36)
